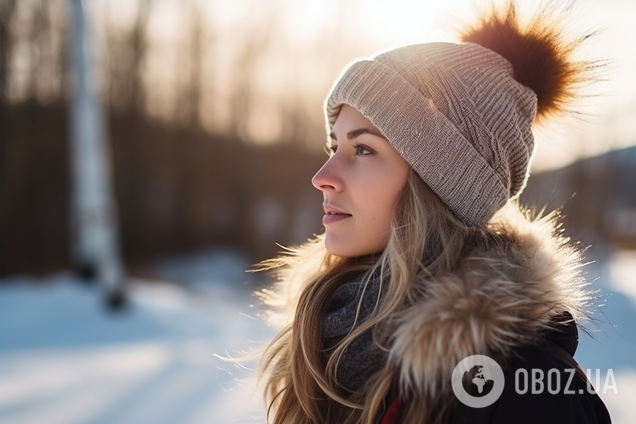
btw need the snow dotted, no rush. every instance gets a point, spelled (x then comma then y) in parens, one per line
(622, 273)
(65, 359)
(611, 344)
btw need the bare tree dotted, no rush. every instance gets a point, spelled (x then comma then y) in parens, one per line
(94, 218)
(7, 10)
(127, 54)
(39, 36)
(189, 97)
(252, 43)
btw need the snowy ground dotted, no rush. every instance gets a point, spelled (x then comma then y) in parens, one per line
(64, 359)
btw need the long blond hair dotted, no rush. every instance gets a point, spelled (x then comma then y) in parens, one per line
(426, 238)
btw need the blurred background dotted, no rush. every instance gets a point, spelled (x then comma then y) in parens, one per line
(211, 127)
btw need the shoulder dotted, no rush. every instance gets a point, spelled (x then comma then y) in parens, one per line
(499, 299)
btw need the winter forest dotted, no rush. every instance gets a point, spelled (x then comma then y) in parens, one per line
(213, 128)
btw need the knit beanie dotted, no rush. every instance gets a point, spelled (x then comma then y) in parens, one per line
(461, 114)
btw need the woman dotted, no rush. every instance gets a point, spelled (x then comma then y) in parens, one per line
(426, 258)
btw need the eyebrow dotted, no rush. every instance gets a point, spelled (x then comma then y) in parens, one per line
(357, 133)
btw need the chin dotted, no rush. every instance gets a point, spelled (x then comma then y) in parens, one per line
(338, 252)
(344, 251)
(338, 249)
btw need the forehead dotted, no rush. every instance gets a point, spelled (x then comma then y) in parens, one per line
(349, 117)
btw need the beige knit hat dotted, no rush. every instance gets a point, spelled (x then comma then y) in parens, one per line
(455, 113)
(461, 114)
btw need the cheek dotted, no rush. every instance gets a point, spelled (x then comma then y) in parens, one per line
(384, 194)
(386, 205)
(390, 189)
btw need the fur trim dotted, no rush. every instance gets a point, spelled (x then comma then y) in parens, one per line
(499, 300)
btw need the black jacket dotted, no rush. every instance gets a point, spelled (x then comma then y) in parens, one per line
(572, 403)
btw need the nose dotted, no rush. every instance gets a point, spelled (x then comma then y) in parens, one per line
(327, 178)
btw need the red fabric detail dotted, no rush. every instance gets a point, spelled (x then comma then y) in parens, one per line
(392, 413)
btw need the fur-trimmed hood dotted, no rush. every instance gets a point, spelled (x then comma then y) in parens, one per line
(499, 300)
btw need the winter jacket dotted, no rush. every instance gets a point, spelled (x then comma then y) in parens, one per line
(517, 303)
(575, 401)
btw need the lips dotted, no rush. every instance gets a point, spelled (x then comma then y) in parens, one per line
(333, 215)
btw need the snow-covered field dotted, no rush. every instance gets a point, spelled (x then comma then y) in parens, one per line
(64, 359)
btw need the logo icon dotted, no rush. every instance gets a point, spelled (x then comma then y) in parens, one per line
(477, 381)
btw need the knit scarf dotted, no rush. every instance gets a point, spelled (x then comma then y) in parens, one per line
(362, 358)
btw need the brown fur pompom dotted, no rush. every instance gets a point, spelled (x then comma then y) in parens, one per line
(539, 51)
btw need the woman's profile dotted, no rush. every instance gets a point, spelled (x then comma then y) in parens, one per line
(427, 257)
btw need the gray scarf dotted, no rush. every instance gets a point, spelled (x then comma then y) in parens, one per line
(362, 358)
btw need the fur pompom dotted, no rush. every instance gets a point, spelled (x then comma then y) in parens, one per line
(539, 51)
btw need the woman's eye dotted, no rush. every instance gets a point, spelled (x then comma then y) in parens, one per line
(363, 150)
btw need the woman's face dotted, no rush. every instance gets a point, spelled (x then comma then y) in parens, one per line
(360, 183)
